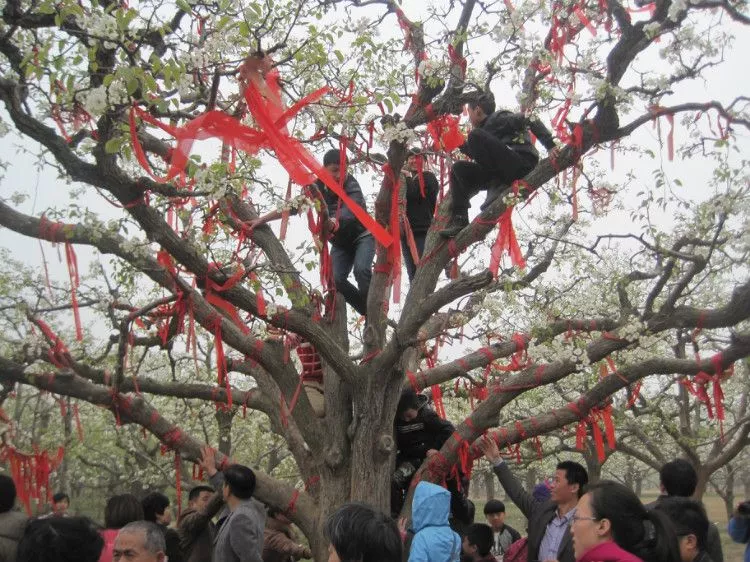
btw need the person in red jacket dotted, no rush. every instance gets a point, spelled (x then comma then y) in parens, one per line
(611, 524)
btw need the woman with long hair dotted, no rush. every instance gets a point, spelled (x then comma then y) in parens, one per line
(612, 525)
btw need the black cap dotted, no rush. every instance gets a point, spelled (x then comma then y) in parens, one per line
(333, 156)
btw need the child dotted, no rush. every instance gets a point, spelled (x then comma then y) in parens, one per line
(434, 540)
(502, 535)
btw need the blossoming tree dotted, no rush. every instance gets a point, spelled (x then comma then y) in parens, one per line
(116, 93)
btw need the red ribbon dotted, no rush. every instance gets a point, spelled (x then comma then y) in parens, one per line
(506, 241)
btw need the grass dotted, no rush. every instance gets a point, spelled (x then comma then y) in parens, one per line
(733, 552)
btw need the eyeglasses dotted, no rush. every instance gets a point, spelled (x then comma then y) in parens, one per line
(579, 518)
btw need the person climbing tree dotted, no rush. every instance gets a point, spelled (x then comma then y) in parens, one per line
(501, 149)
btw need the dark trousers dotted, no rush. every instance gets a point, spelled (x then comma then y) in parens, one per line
(358, 255)
(419, 238)
(494, 163)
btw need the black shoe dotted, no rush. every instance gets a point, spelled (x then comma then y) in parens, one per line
(456, 225)
(493, 192)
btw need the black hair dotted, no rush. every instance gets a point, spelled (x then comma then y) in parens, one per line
(197, 491)
(646, 533)
(241, 481)
(121, 510)
(678, 478)
(480, 535)
(333, 156)
(60, 496)
(486, 101)
(359, 533)
(7, 493)
(688, 517)
(154, 504)
(575, 474)
(494, 506)
(60, 539)
(409, 400)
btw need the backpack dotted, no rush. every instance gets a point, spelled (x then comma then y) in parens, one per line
(518, 551)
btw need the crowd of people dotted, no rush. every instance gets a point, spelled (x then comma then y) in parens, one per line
(576, 522)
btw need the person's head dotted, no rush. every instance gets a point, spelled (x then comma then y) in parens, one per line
(481, 108)
(408, 405)
(140, 541)
(678, 478)
(494, 512)
(609, 511)
(60, 503)
(411, 159)
(332, 163)
(199, 496)
(478, 540)
(357, 532)
(541, 492)
(7, 493)
(60, 539)
(156, 508)
(121, 510)
(690, 522)
(569, 483)
(239, 482)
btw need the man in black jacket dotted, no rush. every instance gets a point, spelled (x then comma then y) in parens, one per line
(420, 433)
(501, 149)
(421, 197)
(678, 478)
(352, 245)
(549, 521)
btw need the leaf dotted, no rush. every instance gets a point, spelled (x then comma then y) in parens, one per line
(112, 146)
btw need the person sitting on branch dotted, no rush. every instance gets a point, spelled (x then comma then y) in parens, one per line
(420, 433)
(352, 245)
(501, 149)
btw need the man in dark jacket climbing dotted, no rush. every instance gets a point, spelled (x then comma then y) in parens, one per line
(501, 149)
(420, 433)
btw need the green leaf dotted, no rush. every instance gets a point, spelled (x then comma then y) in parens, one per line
(113, 145)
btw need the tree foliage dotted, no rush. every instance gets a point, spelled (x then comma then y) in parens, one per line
(597, 309)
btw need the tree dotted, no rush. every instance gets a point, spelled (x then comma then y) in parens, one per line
(86, 83)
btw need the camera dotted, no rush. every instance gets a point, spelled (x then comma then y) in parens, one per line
(743, 510)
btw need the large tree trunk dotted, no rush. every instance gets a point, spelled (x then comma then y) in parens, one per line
(489, 484)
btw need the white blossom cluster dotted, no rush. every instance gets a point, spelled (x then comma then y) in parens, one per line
(136, 247)
(652, 29)
(301, 203)
(94, 101)
(102, 26)
(676, 9)
(214, 49)
(558, 350)
(399, 133)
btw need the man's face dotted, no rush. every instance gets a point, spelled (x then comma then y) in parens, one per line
(410, 414)
(165, 518)
(476, 116)
(468, 549)
(201, 501)
(495, 520)
(561, 491)
(335, 171)
(60, 507)
(411, 163)
(130, 547)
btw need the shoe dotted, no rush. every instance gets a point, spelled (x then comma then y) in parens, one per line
(455, 225)
(494, 190)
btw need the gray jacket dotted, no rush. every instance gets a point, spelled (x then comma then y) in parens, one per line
(12, 525)
(539, 515)
(240, 537)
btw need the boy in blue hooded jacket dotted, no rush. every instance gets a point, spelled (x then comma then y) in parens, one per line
(434, 540)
